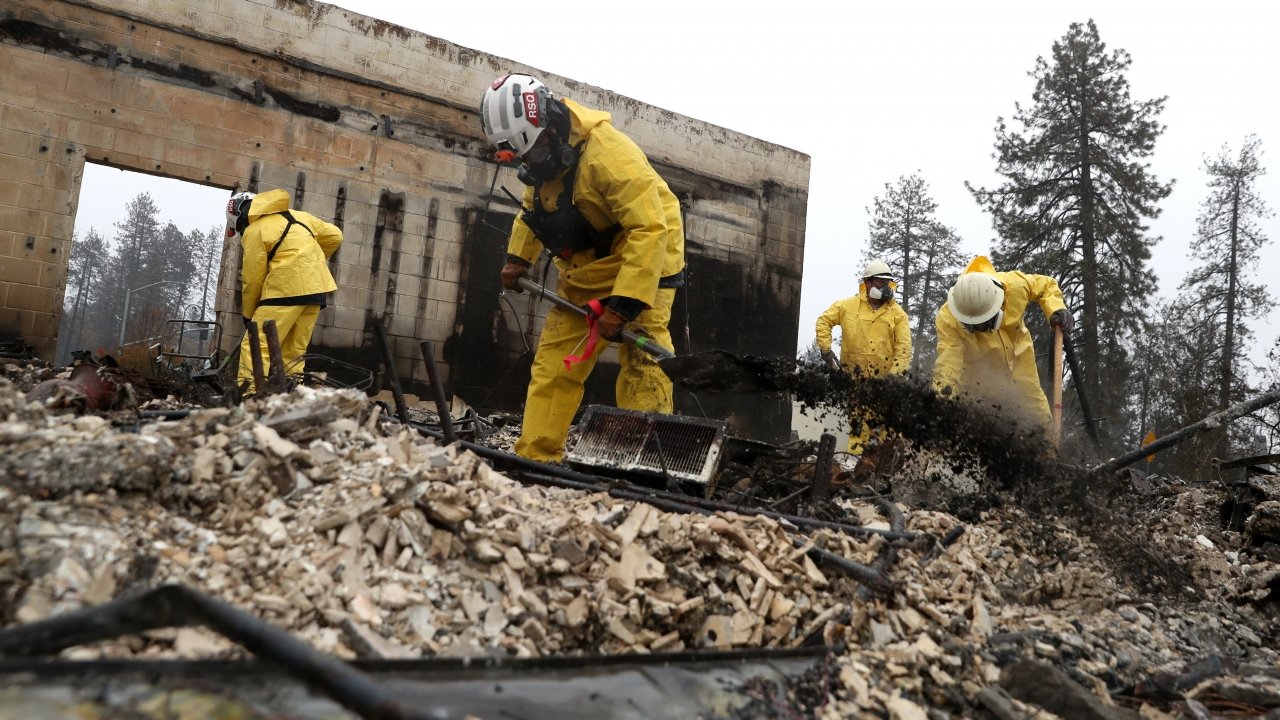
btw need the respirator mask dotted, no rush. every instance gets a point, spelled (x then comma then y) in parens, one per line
(543, 162)
(991, 324)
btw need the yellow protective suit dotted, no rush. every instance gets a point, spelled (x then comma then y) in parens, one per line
(615, 184)
(999, 367)
(290, 288)
(875, 341)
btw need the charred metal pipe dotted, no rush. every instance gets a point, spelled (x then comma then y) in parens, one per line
(180, 606)
(821, 487)
(275, 375)
(887, 554)
(166, 414)
(1212, 422)
(947, 541)
(388, 359)
(255, 358)
(871, 578)
(897, 523)
(783, 501)
(437, 388)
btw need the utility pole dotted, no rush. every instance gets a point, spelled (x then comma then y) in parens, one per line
(208, 269)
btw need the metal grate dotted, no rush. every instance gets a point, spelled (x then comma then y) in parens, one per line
(651, 444)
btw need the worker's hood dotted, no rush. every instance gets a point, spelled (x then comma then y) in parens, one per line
(980, 264)
(271, 201)
(583, 121)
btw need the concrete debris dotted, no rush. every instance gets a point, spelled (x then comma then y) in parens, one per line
(365, 539)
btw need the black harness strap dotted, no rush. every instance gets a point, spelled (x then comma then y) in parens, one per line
(291, 222)
(565, 230)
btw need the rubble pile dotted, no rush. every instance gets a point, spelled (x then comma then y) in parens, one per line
(381, 544)
(365, 539)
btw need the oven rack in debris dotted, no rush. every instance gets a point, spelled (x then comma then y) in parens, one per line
(614, 441)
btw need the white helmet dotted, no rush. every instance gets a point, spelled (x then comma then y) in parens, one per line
(877, 268)
(975, 298)
(513, 113)
(238, 213)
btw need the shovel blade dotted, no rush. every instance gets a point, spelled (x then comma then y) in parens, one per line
(718, 371)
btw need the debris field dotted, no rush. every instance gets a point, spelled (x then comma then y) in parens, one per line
(322, 515)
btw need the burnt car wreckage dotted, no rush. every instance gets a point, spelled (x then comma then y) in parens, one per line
(667, 569)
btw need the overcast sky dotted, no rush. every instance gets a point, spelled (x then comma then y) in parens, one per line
(872, 92)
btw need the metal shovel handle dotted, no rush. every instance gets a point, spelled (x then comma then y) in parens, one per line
(630, 338)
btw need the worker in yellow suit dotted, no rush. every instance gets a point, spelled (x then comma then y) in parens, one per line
(875, 338)
(984, 348)
(613, 229)
(284, 276)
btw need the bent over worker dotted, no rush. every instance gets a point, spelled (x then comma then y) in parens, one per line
(984, 347)
(613, 229)
(875, 337)
(284, 276)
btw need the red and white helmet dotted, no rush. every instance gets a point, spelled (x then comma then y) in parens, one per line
(514, 113)
(238, 213)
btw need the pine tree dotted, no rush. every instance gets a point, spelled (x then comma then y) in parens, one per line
(85, 266)
(129, 268)
(906, 235)
(208, 259)
(940, 262)
(1174, 383)
(1228, 241)
(1078, 193)
(136, 238)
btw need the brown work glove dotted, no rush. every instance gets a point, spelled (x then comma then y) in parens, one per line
(610, 324)
(512, 272)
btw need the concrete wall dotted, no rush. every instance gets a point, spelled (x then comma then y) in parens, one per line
(373, 127)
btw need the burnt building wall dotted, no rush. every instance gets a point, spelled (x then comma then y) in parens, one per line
(374, 127)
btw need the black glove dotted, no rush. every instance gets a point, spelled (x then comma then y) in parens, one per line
(1062, 319)
(830, 358)
(246, 320)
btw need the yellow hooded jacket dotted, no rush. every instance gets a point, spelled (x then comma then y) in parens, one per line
(615, 184)
(300, 265)
(998, 365)
(876, 341)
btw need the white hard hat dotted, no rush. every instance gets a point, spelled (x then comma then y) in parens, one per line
(513, 113)
(877, 268)
(975, 298)
(238, 213)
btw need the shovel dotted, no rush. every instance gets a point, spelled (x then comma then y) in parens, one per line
(713, 371)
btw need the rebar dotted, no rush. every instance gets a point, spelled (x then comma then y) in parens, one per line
(275, 375)
(389, 361)
(437, 388)
(255, 357)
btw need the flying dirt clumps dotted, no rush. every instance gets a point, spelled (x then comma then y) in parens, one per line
(909, 407)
